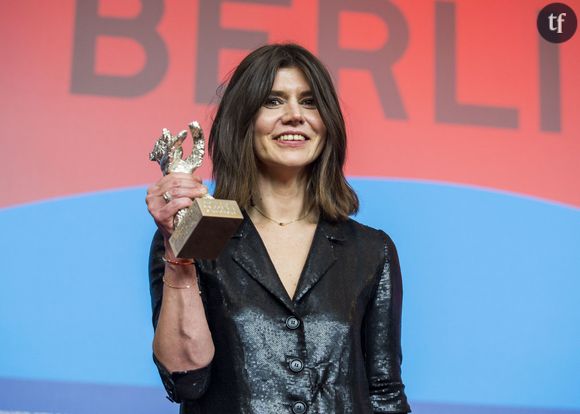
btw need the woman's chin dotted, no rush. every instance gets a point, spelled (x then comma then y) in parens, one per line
(287, 165)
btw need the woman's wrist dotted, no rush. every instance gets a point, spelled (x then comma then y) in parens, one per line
(178, 278)
(177, 261)
(177, 285)
(168, 251)
(179, 273)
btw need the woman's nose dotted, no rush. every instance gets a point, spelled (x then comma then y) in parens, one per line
(293, 113)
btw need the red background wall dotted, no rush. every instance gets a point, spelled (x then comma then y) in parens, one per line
(58, 139)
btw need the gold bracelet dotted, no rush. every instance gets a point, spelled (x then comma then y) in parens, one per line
(175, 287)
(185, 262)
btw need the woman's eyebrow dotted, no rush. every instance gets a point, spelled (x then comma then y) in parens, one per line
(283, 94)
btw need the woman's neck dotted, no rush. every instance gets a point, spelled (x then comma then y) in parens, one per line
(281, 197)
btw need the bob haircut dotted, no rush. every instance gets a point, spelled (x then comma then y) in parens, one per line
(235, 168)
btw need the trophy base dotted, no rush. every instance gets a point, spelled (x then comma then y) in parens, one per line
(206, 228)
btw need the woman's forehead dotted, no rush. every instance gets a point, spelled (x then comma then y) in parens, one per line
(290, 79)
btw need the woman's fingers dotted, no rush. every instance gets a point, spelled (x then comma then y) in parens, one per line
(166, 213)
(186, 192)
(163, 213)
(182, 185)
(179, 178)
(170, 194)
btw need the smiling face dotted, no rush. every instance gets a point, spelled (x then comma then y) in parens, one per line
(288, 130)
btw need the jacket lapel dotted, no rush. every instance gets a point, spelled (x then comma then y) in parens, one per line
(251, 254)
(321, 257)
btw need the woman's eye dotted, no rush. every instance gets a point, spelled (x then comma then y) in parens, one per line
(272, 101)
(309, 103)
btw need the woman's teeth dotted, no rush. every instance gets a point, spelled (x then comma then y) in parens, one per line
(291, 138)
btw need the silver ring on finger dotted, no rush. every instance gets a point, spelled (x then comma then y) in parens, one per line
(167, 197)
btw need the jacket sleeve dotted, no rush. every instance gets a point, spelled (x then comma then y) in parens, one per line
(181, 385)
(382, 337)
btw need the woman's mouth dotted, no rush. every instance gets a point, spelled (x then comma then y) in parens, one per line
(291, 137)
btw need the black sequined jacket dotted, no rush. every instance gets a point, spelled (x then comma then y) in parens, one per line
(334, 348)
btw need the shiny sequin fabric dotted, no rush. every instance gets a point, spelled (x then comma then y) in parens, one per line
(333, 348)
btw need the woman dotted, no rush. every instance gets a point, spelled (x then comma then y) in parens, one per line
(301, 311)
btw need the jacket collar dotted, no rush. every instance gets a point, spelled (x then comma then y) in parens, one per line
(251, 254)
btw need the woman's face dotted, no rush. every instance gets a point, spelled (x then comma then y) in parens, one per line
(288, 129)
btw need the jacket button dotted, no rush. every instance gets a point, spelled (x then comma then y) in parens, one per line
(296, 365)
(292, 322)
(299, 407)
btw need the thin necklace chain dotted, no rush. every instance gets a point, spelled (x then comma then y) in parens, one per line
(280, 223)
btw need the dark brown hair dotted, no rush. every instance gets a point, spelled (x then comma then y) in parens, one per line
(230, 144)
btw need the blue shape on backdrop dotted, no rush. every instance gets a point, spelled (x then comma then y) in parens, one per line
(491, 281)
(75, 301)
(58, 397)
(491, 315)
